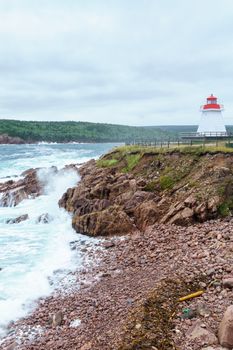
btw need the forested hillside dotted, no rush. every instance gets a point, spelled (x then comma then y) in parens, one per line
(34, 131)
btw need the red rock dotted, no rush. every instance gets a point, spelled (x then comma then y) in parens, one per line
(200, 333)
(225, 332)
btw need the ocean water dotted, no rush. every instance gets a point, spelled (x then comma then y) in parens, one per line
(30, 251)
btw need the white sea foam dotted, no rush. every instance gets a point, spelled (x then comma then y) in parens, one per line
(31, 251)
(34, 251)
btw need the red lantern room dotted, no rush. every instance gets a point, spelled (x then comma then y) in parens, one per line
(211, 103)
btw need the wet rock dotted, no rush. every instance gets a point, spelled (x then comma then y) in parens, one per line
(200, 332)
(225, 332)
(12, 193)
(18, 219)
(44, 218)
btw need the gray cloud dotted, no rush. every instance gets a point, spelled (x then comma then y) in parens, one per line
(138, 62)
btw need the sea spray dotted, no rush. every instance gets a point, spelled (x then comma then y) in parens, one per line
(32, 250)
(36, 249)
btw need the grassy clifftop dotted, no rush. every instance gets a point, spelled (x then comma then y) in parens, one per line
(204, 174)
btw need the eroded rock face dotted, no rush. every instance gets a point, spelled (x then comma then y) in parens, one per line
(13, 192)
(135, 199)
(111, 221)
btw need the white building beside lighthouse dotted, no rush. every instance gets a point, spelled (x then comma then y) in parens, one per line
(211, 123)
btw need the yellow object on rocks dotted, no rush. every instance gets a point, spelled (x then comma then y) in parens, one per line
(193, 295)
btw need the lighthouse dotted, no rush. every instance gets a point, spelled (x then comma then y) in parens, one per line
(211, 123)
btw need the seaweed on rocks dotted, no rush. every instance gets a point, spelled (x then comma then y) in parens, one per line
(150, 325)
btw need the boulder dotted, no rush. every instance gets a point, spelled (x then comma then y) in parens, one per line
(183, 217)
(18, 219)
(146, 214)
(225, 332)
(111, 221)
(200, 332)
(44, 218)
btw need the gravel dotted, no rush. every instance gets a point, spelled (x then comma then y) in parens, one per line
(96, 310)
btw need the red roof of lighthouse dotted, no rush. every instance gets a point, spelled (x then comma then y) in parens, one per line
(212, 106)
(212, 103)
(211, 97)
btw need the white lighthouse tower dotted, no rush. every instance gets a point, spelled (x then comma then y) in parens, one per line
(212, 123)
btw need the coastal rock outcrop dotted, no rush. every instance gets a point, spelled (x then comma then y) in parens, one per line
(18, 219)
(28, 186)
(116, 197)
(6, 139)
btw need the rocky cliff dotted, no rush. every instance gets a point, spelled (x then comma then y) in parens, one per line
(132, 188)
(6, 139)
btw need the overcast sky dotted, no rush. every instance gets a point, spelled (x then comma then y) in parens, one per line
(136, 62)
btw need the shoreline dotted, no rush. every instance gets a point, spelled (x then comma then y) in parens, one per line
(63, 143)
(112, 293)
(66, 283)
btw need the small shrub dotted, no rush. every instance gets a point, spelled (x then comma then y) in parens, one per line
(166, 182)
(223, 209)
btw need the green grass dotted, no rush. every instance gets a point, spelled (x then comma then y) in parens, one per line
(132, 160)
(223, 209)
(107, 163)
(183, 149)
(166, 182)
